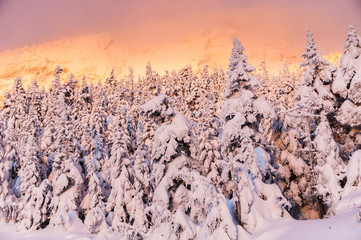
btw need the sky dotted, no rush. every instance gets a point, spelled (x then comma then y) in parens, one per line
(271, 30)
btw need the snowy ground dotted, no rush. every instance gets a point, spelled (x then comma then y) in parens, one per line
(78, 232)
(344, 226)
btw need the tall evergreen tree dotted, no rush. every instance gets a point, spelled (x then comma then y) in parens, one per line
(246, 167)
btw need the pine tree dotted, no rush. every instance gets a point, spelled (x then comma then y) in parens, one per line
(93, 206)
(314, 100)
(11, 160)
(130, 78)
(315, 88)
(208, 129)
(264, 78)
(31, 174)
(118, 151)
(19, 106)
(329, 169)
(353, 173)
(294, 176)
(193, 98)
(66, 176)
(35, 97)
(142, 164)
(50, 114)
(114, 91)
(205, 80)
(243, 174)
(288, 85)
(70, 89)
(347, 83)
(348, 65)
(124, 205)
(151, 82)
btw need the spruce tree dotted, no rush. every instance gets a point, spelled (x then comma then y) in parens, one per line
(246, 167)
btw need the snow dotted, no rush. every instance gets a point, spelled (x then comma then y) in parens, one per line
(349, 114)
(166, 137)
(343, 226)
(158, 105)
(231, 106)
(262, 158)
(339, 85)
(355, 85)
(76, 232)
(230, 206)
(353, 172)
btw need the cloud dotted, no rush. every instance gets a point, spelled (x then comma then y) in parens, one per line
(28, 22)
(177, 32)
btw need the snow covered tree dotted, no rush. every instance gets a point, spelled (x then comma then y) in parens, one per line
(35, 96)
(315, 88)
(219, 79)
(118, 151)
(247, 168)
(56, 87)
(196, 202)
(347, 83)
(193, 98)
(353, 172)
(288, 85)
(31, 174)
(125, 205)
(170, 141)
(94, 149)
(70, 89)
(93, 205)
(172, 147)
(50, 114)
(310, 145)
(185, 79)
(151, 82)
(314, 96)
(96, 127)
(142, 164)
(110, 83)
(264, 79)
(130, 79)
(348, 65)
(11, 158)
(294, 174)
(115, 93)
(205, 80)
(208, 129)
(155, 112)
(18, 105)
(4, 174)
(85, 94)
(66, 176)
(329, 169)
(8, 203)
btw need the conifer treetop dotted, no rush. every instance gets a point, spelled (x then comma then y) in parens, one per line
(311, 54)
(238, 69)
